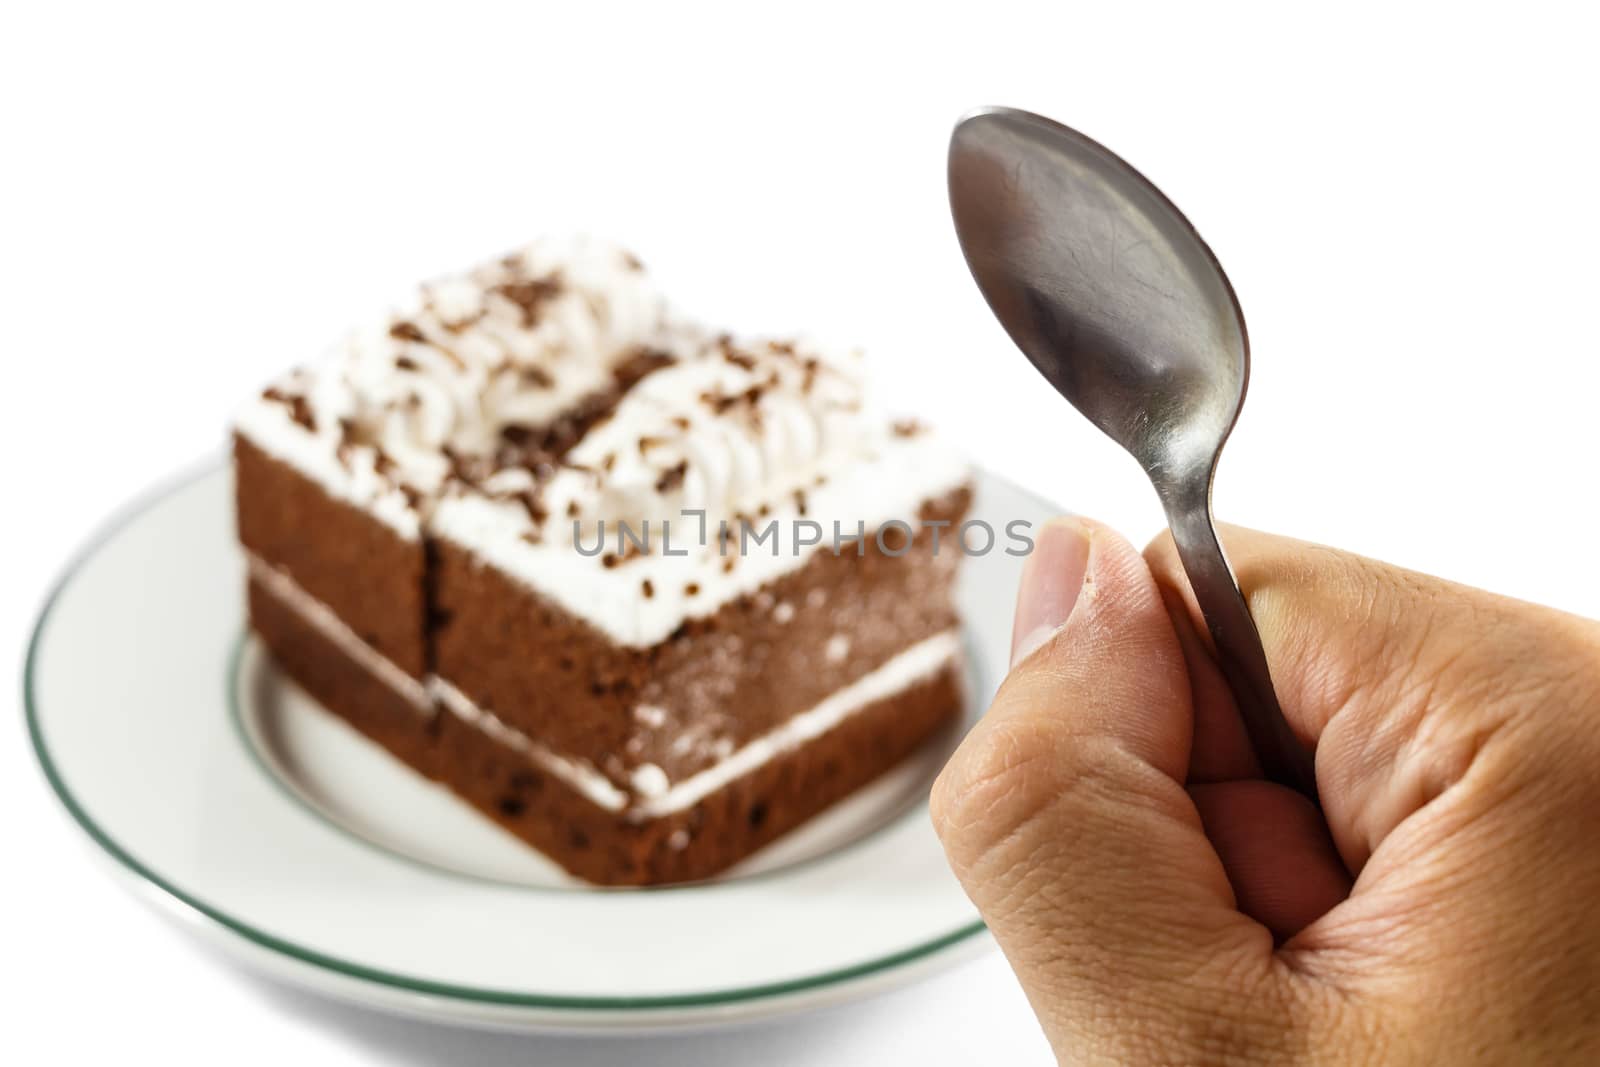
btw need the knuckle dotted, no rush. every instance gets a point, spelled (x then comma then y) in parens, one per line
(1310, 585)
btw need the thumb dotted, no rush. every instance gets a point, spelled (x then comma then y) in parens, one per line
(1065, 817)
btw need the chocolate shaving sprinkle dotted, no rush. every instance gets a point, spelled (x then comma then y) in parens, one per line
(573, 509)
(558, 437)
(632, 261)
(530, 296)
(405, 330)
(458, 464)
(347, 442)
(608, 462)
(405, 363)
(672, 477)
(680, 422)
(468, 469)
(638, 363)
(648, 588)
(461, 325)
(800, 501)
(299, 407)
(536, 376)
(692, 589)
(533, 506)
(646, 443)
(907, 428)
(721, 403)
(519, 435)
(809, 381)
(738, 359)
(530, 446)
(630, 551)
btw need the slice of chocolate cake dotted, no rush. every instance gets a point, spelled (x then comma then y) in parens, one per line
(646, 597)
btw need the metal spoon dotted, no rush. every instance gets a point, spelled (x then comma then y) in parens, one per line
(1113, 296)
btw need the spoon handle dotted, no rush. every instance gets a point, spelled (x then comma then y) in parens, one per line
(1238, 644)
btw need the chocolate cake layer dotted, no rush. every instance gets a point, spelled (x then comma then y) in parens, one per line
(371, 576)
(714, 684)
(724, 827)
(592, 842)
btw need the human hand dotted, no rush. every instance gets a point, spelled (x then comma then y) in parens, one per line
(1161, 903)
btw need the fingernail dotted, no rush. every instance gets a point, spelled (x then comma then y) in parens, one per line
(1051, 579)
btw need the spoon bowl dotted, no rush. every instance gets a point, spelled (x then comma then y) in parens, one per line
(1112, 295)
(1103, 284)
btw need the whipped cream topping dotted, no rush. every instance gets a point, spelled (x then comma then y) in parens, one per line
(728, 432)
(476, 375)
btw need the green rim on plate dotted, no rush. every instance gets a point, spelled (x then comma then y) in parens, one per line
(347, 968)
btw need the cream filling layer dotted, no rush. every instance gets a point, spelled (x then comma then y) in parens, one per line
(914, 664)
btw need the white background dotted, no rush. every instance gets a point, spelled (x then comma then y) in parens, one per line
(195, 198)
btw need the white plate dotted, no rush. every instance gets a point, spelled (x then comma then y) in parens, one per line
(214, 783)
